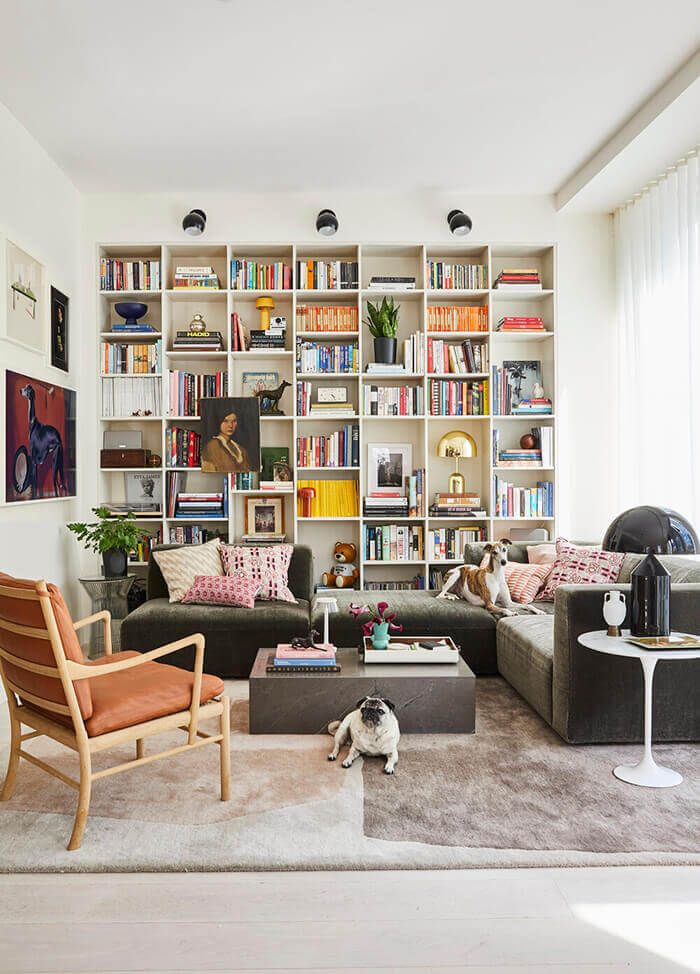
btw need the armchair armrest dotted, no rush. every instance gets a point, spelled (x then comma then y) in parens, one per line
(81, 671)
(106, 619)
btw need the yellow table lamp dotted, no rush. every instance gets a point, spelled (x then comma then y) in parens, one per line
(456, 445)
(264, 306)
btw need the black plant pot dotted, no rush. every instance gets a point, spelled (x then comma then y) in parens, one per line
(114, 563)
(651, 598)
(385, 350)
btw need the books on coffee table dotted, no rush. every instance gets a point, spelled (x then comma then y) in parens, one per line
(319, 658)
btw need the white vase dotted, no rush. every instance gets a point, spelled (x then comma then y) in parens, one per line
(614, 611)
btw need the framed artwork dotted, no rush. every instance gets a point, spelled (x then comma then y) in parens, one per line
(230, 434)
(252, 382)
(271, 455)
(40, 440)
(523, 376)
(59, 329)
(264, 517)
(25, 300)
(143, 490)
(388, 466)
(282, 472)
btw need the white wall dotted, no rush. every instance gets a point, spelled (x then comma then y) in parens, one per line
(39, 211)
(586, 389)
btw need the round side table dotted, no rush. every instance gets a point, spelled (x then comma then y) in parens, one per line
(647, 773)
(109, 594)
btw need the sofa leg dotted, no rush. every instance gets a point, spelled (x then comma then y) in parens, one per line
(83, 801)
(13, 761)
(140, 748)
(225, 749)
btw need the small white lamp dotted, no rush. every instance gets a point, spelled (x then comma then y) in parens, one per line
(329, 605)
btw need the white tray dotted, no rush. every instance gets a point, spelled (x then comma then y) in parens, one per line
(399, 651)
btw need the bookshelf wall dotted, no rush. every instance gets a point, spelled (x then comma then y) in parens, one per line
(170, 310)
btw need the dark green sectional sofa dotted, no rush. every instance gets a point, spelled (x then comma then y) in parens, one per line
(586, 697)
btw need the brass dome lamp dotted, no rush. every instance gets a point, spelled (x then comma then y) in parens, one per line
(456, 445)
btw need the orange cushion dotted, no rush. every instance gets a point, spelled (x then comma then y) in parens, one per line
(142, 693)
(28, 613)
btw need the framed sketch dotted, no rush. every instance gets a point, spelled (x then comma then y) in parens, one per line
(143, 490)
(59, 329)
(253, 382)
(388, 466)
(264, 516)
(25, 318)
(40, 440)
(523, 376)
(230, 434)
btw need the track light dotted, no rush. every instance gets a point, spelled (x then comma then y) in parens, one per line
(194, 223)
(326, 223)
(460, 224)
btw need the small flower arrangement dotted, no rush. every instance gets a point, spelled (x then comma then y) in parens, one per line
(378, 616)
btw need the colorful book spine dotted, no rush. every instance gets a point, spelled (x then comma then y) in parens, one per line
(515, 501)
(326, 318)
(339, 449)
(254, 275)
(131, 358)
(393, 542)
(332, 498)
(324, 275)
(129, 274)
(400, 400)
(186, 389)
(441, 275)
(459, 397)
(457, 318)
(322, 358)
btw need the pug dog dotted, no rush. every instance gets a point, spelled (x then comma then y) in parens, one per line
(372, 728)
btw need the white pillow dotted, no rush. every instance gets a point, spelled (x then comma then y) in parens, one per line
(180, 566)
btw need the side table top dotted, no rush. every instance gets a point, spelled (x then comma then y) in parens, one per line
(353, 666)
(617, 646)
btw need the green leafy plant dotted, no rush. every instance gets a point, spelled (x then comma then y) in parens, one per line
(108, 532)
(383, 319)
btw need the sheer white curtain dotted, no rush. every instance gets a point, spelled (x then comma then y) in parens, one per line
(657, 245)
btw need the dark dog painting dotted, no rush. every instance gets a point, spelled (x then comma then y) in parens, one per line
(40, 451)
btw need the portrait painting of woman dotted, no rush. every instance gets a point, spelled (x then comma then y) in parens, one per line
(230, 435)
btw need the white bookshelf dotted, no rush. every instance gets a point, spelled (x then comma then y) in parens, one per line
(171, 310)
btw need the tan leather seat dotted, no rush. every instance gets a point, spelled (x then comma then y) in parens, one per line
(133, 696)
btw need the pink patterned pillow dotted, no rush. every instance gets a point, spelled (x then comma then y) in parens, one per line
(268, 564)
(581, 566)
(541, 554)
(235, 589)
(525, 581)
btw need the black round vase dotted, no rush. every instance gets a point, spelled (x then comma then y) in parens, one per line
(651, 598)
(385, 350)
(114, 563)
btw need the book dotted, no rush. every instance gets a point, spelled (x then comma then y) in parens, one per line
(273, 667)
(457, 318)
(326, 275)
(311, 318)
(458, 397)
(319, 651)
(260, 275)
(443, 275)
(129, 274)
(326, 358)
(333, 498)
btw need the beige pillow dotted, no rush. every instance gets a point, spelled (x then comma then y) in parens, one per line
(541, 554)
(180, 566)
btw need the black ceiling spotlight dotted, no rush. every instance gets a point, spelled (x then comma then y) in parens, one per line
(326, 223)
(194, 223)
(460, 224)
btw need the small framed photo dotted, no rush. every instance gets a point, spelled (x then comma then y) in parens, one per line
(388, 466)
(282, 472)
(59, 329)
(264, 517)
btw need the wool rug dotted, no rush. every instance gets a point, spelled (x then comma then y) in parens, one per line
(513, 794)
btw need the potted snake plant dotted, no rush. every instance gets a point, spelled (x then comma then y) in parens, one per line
(383, 323)
(112, 537)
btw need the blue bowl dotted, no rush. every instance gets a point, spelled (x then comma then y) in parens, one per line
(131, 310)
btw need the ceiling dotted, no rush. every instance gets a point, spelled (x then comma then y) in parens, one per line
(400, 95)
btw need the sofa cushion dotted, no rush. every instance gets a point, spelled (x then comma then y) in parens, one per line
(525, 652)
(142, 693)
(576, 565)
(267, 564)
(682, 568)
(235, 589)
(180, 566)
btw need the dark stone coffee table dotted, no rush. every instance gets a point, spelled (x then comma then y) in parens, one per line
(430, 698)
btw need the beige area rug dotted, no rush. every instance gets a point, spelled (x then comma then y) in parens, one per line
(512, 795)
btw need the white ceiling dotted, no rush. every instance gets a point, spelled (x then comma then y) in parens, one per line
(292, 95)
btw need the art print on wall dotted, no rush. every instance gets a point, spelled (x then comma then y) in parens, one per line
(25, 300)
(59, 329)
(40, 440)
(230, 434)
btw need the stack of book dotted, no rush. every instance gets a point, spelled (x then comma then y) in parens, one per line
(339, 449)
(520, 323)
(131, 359)
(139, 327)
(539, 406)
(457, 505)
(466, 358)
(447, 544)
(400, 400)
(393, 542)
(465, 277)
(380, 282)
(253, 275)
(182, 447)
(458, 397)
(541, 455)
(187, 388)
(518, 280)
(519, 458)
(399, 503)
(129, 274)
(195, 278)
(148, 510)
(385, 505)
(322, 358)
(417, 583)
(244, 480)
(414, 353)
(326, 275)
(323, 410)
(319, 658)
(332, 498)
(327, 317)
(273, 337)
(455, 318)
(514, 501)
(198, 341)
(384, 368)
(195, 505)
(265, 539)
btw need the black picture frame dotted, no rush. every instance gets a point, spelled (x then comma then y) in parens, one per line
(59, 329)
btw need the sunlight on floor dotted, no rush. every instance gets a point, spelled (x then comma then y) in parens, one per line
(669, 930)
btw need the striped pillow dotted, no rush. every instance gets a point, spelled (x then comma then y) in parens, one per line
(180, 566)
(267, 564)
(525, 581)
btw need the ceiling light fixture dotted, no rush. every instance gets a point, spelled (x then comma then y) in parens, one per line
(460, 224)
(194, 223)
(326, 223)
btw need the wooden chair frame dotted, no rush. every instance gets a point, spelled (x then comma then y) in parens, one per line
(77, 738)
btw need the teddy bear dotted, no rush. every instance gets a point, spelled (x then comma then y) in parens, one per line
(344, 573)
